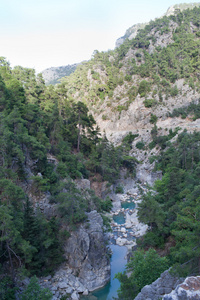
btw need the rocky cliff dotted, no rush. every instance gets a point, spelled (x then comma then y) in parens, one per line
(87, 264)
(168, 287)
(112, 84)
(163, 285)
(87, 254)
(188, 290)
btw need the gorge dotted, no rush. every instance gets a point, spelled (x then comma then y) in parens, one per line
(107, 160)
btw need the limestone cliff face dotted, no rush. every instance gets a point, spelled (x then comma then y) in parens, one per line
(87, 254)
(172, 9)
(136, 119)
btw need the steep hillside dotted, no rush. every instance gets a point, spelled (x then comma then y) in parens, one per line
(172, 10)
(139, 85)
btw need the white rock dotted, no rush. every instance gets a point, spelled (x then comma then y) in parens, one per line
(81, 288)
(123, 229)
(128, 225)
(63, 285)
(85, 293)
(75, 296)
(69, 290)
(121, 241)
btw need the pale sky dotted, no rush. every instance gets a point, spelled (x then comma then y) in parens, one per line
(49, 33)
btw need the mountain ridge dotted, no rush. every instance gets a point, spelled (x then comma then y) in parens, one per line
(53, 75)
(133, 30)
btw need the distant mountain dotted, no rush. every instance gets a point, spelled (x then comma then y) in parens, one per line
(54, 74)
(133, 30)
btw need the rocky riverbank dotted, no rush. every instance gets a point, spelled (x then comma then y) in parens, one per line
(87, 266)
(125, 232)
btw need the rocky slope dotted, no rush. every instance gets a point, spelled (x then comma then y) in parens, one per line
(189, 289)
(124, 108)
(168, 287)
(87, 254)
(133, 30)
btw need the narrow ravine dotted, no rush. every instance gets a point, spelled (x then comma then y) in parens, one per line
(125, 229)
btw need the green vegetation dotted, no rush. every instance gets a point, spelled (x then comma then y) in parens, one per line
(47, 141)
(156, 70)
(192, 110)
(176, 200)
(172, 213)
(34, 291)
(142, 272)
(149, 102)
(160, 140)
(140, 145)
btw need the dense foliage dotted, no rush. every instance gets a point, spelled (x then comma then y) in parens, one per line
(177, 204)
(172, 212)
(47, 141)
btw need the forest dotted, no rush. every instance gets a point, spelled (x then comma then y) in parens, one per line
(37, 121)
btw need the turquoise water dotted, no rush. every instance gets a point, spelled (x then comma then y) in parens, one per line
(130, 205)
(119, 218)
(118, 263)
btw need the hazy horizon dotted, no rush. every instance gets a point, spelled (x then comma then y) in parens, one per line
(41, 34)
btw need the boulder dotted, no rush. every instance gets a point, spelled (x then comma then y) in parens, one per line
(121, 241)
(63, 285)
(75, 296)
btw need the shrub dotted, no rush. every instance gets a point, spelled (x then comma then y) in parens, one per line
(140, 145)
(174, 91)
(128, 77)
(153, 119)
(144, 87)
(119, 189)
(149, 102)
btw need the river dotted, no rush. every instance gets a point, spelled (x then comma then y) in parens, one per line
(118, 262)
(118, 258)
